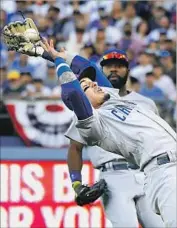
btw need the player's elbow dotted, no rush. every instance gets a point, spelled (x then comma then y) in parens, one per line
(90, 130)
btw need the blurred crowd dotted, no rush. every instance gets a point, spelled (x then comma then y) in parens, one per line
(146, 30)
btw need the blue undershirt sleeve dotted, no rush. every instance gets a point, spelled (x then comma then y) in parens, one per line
(72, 94)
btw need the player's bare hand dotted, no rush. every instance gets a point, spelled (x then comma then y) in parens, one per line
(49, 47)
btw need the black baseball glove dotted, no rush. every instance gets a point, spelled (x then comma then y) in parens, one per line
(86, 194)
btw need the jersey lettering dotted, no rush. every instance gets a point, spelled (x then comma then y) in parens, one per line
(121, 112)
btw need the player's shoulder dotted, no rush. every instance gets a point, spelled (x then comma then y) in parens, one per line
(142, 100)
(137, 96)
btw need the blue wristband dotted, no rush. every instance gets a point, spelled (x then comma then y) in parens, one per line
(75, 176)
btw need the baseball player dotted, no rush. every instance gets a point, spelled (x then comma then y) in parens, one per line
(125, 128)
(126, 196)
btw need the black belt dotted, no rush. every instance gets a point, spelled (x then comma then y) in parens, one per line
(117, 165)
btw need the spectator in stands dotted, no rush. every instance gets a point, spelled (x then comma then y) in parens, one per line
(148, 89)
(131, 58)
(134, 84)
(99, 45)
(3, 18)
(164, 82)
(156, 13)
(116, 12)
(88, 50)
(153, 47)
(77, 36)
(168, 65)
(130, 40)
(76, 40)
(14, 86)
(126, 39)
(20, 6)
(129, 16)
(164, 25)
(144, 66)
(112, 34)
(52, 80)
(37, 89)
(162, 35)
(142, 31)
(25, 79)
(143, 9)
(30, 14)
(170, 45)
(53, 13)
(3, 78)
(22, 64)
(45, 26)
(61, 28)
(11, 59)
(40, 8)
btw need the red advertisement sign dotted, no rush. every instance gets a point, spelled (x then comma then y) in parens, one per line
(39, 194)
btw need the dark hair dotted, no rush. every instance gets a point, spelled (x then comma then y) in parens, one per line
(157, 65)
(138, 27)
(3, 67)
(25, 73)
(54, 8)
(127, 4)
(37, 80)
(77, 12)
(80, 2)
(144, 53)
(149, 73)
(80, 30)
(133, 80)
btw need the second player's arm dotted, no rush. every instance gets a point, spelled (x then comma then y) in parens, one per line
(74, 160)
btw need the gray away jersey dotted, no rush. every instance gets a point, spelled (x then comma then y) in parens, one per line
(124, 127)
(96, 154)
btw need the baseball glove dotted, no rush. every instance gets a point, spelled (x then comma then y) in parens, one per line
(16, 38)
(86, 194)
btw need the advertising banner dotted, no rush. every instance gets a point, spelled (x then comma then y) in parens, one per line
(39, 194)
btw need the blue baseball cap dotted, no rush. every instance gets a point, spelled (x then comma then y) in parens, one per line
(87, 72)
(114, 54)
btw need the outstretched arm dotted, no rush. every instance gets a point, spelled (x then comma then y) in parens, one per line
(72, 94)
(89, 123)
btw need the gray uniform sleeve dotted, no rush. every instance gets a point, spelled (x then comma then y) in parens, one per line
(73, 133)
(91, 129)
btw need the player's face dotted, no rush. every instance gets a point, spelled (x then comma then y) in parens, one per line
(94, 93)
(116, 73)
